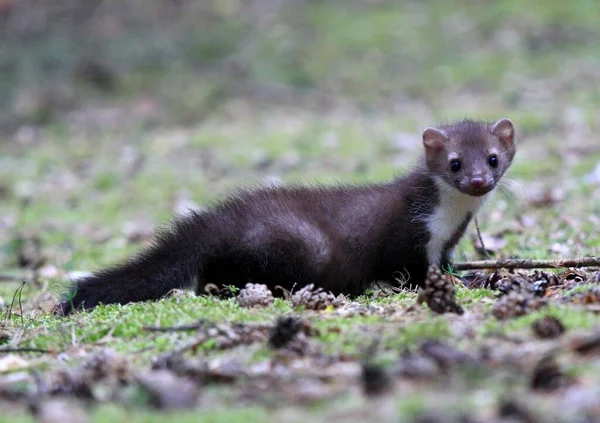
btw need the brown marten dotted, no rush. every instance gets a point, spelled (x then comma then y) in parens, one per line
(341, 238)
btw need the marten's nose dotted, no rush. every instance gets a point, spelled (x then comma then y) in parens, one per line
(477, 182)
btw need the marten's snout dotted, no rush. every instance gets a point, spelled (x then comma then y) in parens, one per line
(477, 186)
(478, 182)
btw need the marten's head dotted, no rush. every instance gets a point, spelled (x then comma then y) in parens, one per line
(470, 156)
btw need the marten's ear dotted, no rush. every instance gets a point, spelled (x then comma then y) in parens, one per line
(434, 140)
(505, 131)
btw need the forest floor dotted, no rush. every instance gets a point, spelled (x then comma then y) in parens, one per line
(83, 186)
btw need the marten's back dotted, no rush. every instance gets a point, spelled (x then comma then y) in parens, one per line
(336, 237)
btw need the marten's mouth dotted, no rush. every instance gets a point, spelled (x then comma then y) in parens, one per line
(477, 191)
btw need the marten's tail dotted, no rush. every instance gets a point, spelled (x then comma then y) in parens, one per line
(173, 261)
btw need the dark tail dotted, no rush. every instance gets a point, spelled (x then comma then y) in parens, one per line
(171, 262)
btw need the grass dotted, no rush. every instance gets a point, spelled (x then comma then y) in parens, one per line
(572, 318)
(123, 326)
(111, 413)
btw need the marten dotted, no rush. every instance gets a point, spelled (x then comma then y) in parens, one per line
(341, 238)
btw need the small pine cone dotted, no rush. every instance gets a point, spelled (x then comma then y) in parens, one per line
(515, 283)
(313, 298)
(375, 379)
(439, 293)
(223, 292)
(29, 251)
(548, 327)
(547, 375)
(573, 276)
(255, 295)
(515, 304)
(542, 281)
(4, 336)
(284, 331)
(551, 279)
(515, 411)
(492, 280)
(589, 344)
(591, 296)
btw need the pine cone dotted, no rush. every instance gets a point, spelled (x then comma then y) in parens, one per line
(375, 379)
(547, 375)
(535, 283)
(29, 251)
(548, 327)
(255, 295)
(439, 293)
(313, 298)
(573, 276)
(284, 331)
(591, 296)
(515, 304)
(518, 283)
(223, 292)
(543, 281)
(589, 344)
(515, 411)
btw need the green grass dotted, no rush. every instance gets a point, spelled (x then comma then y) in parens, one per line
(105, 414)
(124, 326)
(572, 318)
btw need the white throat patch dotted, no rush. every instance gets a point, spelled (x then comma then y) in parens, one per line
(449, 214)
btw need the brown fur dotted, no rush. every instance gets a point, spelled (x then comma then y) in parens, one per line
(340, 238)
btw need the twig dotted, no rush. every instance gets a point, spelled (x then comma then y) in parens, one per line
(21, 303)
(484, 250)
(202, 324)
(232, 334)
(25, 349)
(182, 328)
(9, 311)
(527, 264)
(12, 277)
(191, 345)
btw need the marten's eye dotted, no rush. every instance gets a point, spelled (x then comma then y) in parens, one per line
(493, 160)
(455, 165)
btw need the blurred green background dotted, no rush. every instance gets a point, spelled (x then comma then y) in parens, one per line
(114, 114)
(377, 56)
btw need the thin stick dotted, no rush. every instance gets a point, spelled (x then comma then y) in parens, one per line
(484, 250)
(201, 324)
(12, 277)
(183, 328)
(9, 310)
(527, 264)
(191, 345)
(24, 350)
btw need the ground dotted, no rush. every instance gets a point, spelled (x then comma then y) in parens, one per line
(182, 104)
